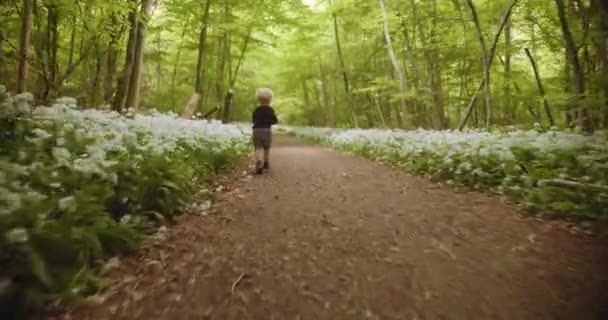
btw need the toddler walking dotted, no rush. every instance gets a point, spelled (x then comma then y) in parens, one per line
(263, 118)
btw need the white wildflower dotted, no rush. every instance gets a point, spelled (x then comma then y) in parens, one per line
(68, 204)
(17, 235)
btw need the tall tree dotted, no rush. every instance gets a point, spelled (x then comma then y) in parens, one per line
(488, 63)
(134, 83)
(578, 81)
(393, 57)
(26, 29)
(123, 81)
(347, 91)
(198, 86)
(485, 57)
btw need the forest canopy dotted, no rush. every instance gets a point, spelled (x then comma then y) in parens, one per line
(339, 63)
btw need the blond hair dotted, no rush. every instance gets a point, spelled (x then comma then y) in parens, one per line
(264, 96)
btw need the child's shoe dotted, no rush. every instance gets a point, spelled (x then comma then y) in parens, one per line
(258, 167)
(266, 165)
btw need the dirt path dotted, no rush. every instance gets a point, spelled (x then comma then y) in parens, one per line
(331, 236)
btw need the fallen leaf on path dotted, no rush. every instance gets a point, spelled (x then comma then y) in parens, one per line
(531, 237)
(110, 265)
(236, 282)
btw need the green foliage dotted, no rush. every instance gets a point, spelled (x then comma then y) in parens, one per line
(76, 190)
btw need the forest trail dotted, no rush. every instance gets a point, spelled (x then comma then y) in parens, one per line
(325, 235)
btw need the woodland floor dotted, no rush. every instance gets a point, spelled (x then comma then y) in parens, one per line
(325, 235)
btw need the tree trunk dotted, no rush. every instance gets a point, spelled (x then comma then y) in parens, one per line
(492, 51)
(220, 82)
(541, 89)
(440, 121)
(601, 22)
(178, 56)
(343, 67)
(1, 54)
(72, 42)
(53, 43)
(26, 28)
(305, 94)
(108, 89)
(202, 40)
(486, 63)
(507, 70)
(122, 83)
(227, 105)
(393, 57)
(233, 77)
(134, 83)
(375, 101)
(96, 76)
(324, 90)
(577, 69)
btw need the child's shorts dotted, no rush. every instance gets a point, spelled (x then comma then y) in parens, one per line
(262, 138)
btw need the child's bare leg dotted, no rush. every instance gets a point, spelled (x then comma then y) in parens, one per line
(266, 155)
(259, 155)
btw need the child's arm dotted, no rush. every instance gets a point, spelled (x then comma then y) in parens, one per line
(274, 117)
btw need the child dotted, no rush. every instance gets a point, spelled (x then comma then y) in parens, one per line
(263, 118)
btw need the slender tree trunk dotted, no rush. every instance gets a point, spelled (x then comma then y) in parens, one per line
(434, 61)
(111, 59)
(486, 63)
(393, 57)
(178, 56)
(26, 29)
(96, 75)
(72, 42)
(601, 22)
(159, 67)
(541, 88)
(409, 52)
(53, 44)
(122, 83)
(233, 77)
(1, 54)
(343, 67)
(507, 70)
(220, 82)
(319, 101)
(202, 41)
(134, 83)
(577, 69)
(490, 59)
(324, 90)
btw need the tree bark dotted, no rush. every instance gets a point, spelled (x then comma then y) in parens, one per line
(486, 63)
(178, 56)
(200, 65)
(577, 69)
(325, 92)
(343, 67)
(393, 57)
(490, 59)
(111, 59)
(72, 42)
(233, 77)
(53, 44)
(601, 22)
(541, 88)
(134, 83)
(96, 76)
(507, 70)
(26, 29)
(122, 83)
